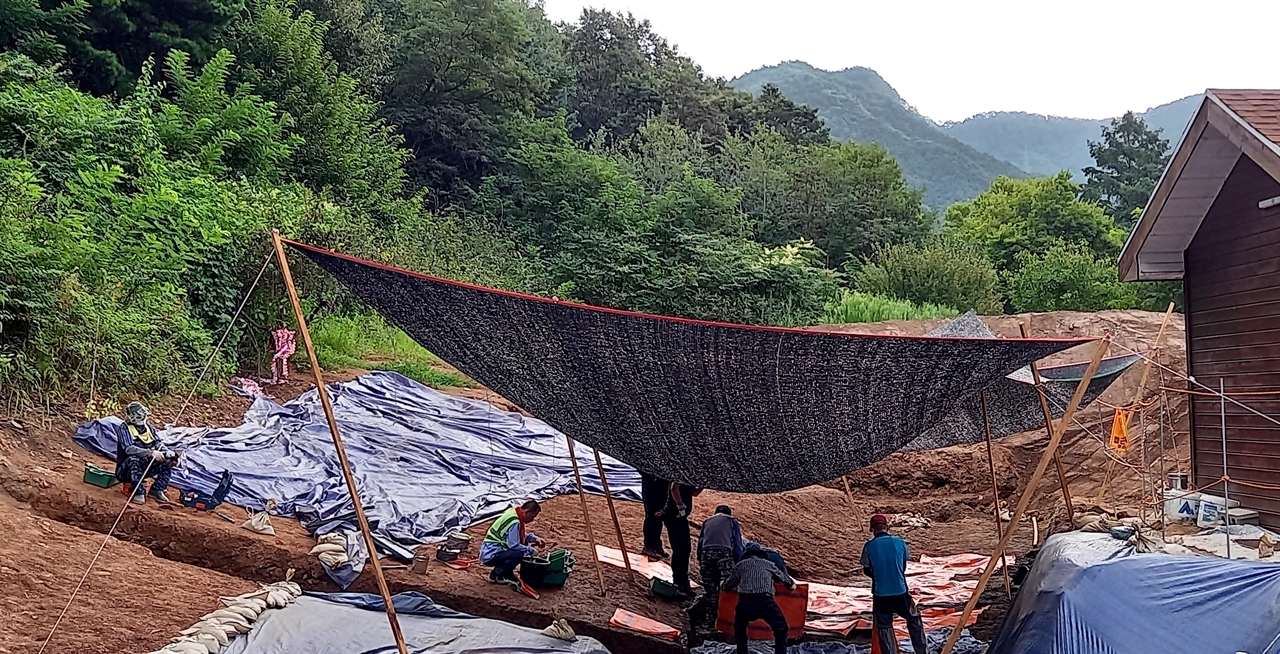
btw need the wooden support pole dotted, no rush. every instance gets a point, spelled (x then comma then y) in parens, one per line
(1048, 427)
(995, 489)
(323, 393)
(591, 534)
(1027, 493)
(1146, 371)
(613, 513)
(848, 494)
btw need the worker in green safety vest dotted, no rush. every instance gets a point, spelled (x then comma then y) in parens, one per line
(507, 542)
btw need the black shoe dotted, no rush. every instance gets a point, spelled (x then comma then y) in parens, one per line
(654, 555)
(159, 497)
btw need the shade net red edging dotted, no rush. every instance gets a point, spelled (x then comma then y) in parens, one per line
(713, 405)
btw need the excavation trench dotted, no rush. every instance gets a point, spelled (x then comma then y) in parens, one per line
(209, 542)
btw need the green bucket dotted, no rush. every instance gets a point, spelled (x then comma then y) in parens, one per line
(99, 477)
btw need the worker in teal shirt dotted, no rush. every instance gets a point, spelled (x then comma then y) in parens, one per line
(884, 559)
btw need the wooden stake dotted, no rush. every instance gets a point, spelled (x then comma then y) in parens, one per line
(1048, 427)
(1146, 371)
(1027, 493)
(323, 393)
(848, 494)
(591, 535)
(617, 526)
(995, 489)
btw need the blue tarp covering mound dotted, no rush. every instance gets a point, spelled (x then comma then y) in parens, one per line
(425, 462)
(1091, 594)
(354, 623)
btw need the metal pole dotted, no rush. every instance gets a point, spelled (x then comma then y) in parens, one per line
(1027, 493)
(1226, 479)
(323, 393)
(586, 517)
(995, 490)
(617, 526)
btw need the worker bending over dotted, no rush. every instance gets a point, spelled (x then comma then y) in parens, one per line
(507, 542)
(719, 549)
(753, 577)
(884, 559)
(140, 454)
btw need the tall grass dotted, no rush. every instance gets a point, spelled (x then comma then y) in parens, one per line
(864, 307)
(368, 341)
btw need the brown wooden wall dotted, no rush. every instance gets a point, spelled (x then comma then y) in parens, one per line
(1232, 286)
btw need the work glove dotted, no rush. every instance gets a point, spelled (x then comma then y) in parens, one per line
(157, 455)
(681, 510)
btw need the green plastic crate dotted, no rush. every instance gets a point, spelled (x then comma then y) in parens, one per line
(99, 477)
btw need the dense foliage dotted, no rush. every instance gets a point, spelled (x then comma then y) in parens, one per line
(940, 270)
(142, 165)
(1067, 277)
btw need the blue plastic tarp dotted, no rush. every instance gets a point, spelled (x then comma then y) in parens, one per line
(425, 463)
(1092, 594)
(354, 623)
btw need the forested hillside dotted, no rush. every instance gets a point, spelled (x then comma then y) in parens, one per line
(148, 147)
(1045, 145)
(858, 105)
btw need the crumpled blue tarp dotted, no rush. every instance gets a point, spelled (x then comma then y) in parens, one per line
(354, 623)
(1092, 594)
(425, 463)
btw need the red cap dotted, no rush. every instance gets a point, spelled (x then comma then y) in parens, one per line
(879, 519)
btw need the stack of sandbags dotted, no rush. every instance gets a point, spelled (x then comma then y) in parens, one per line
(331, 550)
(216, 629)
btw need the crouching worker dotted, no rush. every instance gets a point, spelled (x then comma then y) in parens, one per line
(753, 577)
(140, 454)
(884, 559)
(507, 543)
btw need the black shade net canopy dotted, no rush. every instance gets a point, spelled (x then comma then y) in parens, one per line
(712, 405)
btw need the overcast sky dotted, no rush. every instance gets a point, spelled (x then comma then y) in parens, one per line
(954, 58)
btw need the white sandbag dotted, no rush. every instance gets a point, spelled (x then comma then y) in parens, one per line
(293, 587)
(187, 647)
(246, 611)
(328, 547)
(260, 522)
(216, 630)
(334, 559)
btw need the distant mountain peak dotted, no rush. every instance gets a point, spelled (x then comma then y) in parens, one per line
(860, 105)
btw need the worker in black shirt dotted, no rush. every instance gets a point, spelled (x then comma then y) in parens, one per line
(753, 577)
(668, 504)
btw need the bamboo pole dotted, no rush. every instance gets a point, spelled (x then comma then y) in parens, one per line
(1030, 490)
(1146, 371)
(848, 494)
(613, 513)
(591, 534)
(1048, 426)
(995, 489)
(350, 479)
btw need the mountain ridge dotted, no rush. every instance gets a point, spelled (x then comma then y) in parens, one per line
(953, 160)
(860, 105)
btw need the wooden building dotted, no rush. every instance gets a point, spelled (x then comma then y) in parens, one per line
(1214, 222)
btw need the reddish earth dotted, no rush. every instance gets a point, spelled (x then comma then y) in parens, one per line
(199, 556)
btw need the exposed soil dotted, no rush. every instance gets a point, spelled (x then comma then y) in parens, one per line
(816, 528)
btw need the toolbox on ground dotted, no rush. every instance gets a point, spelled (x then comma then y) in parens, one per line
(99, 477)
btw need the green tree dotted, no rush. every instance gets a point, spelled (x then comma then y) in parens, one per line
(1067, 278)
(940, 270)
(461, 85)
(1030, 215)
(39, 31)
(357, 39)
(1129, 161)
(117, 38)
(342, 144)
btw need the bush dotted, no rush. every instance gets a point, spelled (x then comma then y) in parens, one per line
(940, 270)
(1068, 278)
(367, 341)
(863, 307)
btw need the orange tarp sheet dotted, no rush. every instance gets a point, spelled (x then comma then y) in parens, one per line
(792, 602)
(837, 609)
(638, 623)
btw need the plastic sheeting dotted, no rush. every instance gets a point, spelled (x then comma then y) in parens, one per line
(1092, 594)
(352, 623)
(712, 405)
(425, 463)
(966, 644)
